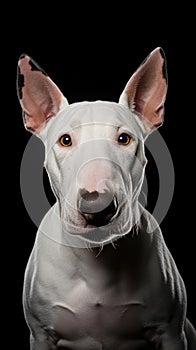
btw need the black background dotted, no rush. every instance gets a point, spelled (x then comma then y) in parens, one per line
(90, 56)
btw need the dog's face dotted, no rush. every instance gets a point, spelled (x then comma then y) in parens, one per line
(95, 150)
(95, 161)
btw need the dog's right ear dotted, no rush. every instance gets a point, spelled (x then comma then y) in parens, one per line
(39, 96)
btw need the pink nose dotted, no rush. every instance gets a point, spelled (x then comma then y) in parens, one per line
(97, 208)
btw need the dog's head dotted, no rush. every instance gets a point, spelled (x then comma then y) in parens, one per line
(95, 150)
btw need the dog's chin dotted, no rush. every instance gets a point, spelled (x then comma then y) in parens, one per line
(98, 229)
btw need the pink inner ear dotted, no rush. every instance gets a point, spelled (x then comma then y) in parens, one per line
(48, 108)
(146, 90)
(41, 98)
(149, 100)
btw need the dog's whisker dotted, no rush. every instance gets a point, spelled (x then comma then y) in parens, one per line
(100, 250)
(114, 244)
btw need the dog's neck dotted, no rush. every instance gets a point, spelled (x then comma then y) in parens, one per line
(107, 265)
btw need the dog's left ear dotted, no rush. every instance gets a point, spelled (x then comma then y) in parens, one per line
(146, 90)
(39, 96)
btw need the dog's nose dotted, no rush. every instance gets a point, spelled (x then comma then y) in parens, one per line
(97, 208)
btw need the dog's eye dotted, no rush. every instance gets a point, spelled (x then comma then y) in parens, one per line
(65, 140)
(124, 139)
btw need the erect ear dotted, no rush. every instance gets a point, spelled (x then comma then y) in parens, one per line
(39, 97)
(146, 90)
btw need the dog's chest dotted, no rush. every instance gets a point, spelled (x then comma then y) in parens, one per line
(102, 317)
(97, 319)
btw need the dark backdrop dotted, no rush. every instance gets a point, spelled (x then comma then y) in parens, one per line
(91, 56)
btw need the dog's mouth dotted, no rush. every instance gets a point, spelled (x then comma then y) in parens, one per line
(103, 217)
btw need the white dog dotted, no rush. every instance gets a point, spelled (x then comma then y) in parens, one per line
(100, 275)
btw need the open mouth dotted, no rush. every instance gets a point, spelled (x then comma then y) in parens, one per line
(103, 217)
